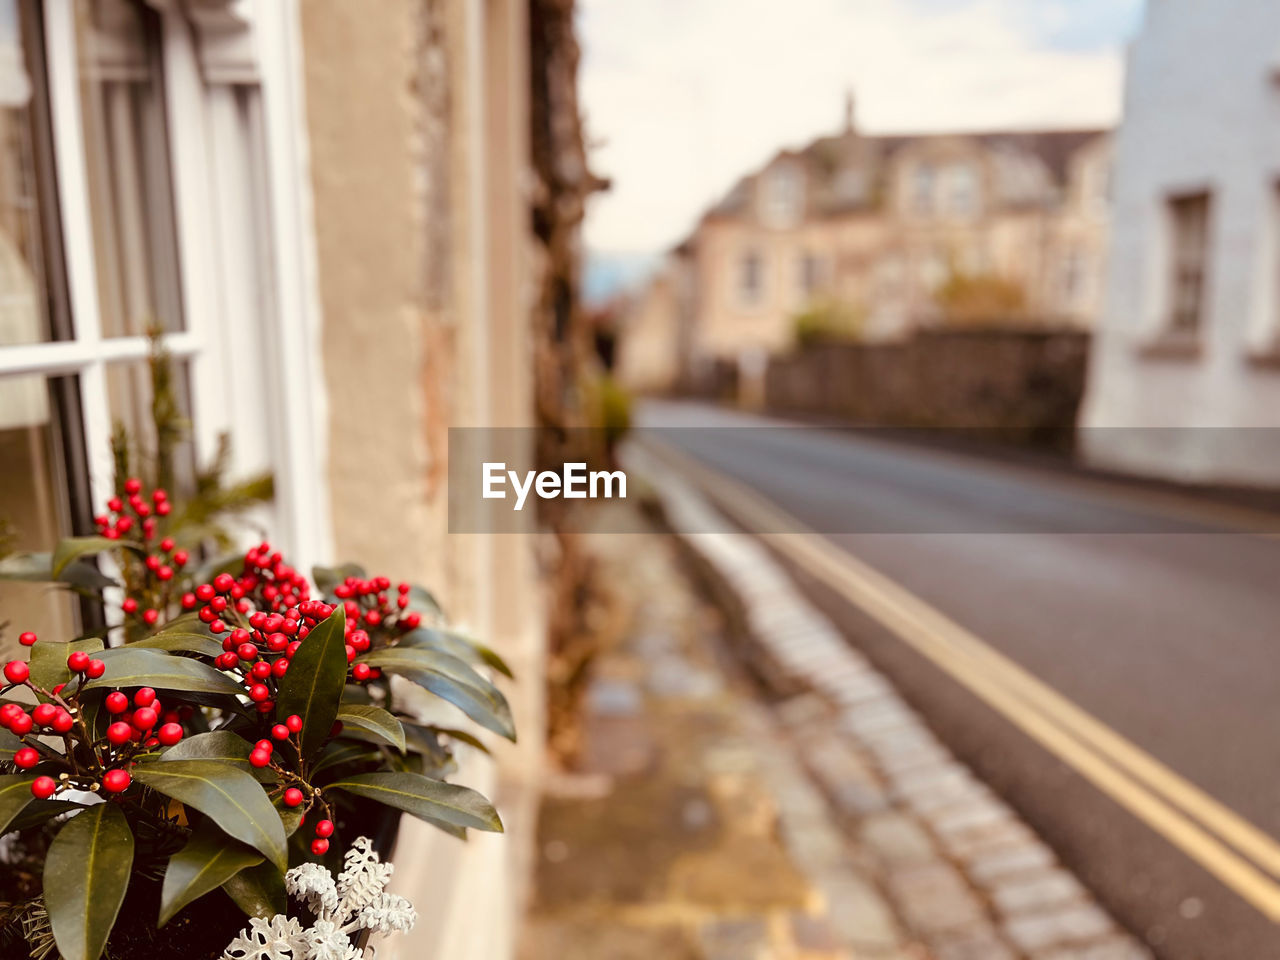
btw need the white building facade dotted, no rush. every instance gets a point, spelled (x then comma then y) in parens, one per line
(1185, 371)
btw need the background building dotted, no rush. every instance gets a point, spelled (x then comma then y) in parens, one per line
(1188, 341)
(322, 209)
(877, 235)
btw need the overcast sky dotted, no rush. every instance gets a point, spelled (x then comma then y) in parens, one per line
(683, 96)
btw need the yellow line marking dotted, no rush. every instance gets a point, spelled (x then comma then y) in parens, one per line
(1033, 706)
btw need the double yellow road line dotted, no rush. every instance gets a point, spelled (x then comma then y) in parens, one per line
(1242, 856)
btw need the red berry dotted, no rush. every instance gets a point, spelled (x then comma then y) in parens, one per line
(116, 781)
(144, 718)
(21, 724)
(119, 732)
(117, 702)
(95, 669)
(223, 582)
(217, 626)
(259, 692)
(145, 697)
(205, 592)
(16, 671)
(266, 706)
(44, 713)
(26, 758)
(115, 504)
(78, 660)
(324, 828)
(153, 563)
(264, 745)
(42, 788)
(132, 486)
(261, 670)
(411, 620)
(361, 671)
(180, 558)
(165, 572)
(279, 667)
(170, 734)
(150, 616)
(27, 639)
(319, 846)
(63, 721)
(163, 508)
(294, 723)
(189, 601)
(293, 797)
(159, 495)
(129, 605)
(280, 732)
(259, 758)
(247, 651)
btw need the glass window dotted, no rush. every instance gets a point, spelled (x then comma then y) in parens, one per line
(750, 278)
(962, 190)
(126, 150)
(130, 398)
(784, 195)
(922, 188)
(811, 273)
(1189, 216)
(36, 424)
(24, 306)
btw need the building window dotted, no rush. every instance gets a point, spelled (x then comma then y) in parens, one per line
(811, 274)
(750, 278)
(922, 188)
(1189, 219)
(783, 195)
(961, 190)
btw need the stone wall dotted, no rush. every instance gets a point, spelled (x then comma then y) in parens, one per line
(1022, 385)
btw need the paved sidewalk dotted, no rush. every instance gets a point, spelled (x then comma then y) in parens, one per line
(692, 831)
(969, 880)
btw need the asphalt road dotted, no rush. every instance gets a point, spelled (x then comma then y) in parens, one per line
(1155, 616)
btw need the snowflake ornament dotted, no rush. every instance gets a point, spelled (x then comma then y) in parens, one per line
(357, 901)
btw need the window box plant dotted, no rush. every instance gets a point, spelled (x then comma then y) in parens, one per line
(153, 793)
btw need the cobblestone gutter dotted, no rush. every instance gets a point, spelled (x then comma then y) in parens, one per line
(918, 836)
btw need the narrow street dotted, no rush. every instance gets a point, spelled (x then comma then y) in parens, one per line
(1106, 662)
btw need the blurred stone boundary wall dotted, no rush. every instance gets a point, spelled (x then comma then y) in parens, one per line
(1021, 385)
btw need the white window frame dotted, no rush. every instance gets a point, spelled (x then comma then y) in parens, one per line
(236, 41)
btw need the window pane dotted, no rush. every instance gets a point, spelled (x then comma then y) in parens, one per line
(130, 398)
(24, 316)
(126, 147)
(34, 508)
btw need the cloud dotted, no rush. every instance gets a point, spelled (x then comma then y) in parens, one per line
(684, 96)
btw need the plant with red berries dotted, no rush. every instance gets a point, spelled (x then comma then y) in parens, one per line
(235, 734)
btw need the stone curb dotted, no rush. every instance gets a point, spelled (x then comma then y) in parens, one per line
(963, 872)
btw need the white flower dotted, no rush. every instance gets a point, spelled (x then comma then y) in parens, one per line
(313, 885)
(279, 938)
(357, 901)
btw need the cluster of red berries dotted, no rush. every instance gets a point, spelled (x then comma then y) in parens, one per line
(47, 717)
(134, 509)
(367, 602)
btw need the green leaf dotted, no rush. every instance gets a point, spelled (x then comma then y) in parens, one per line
(432, 800)
(452, 680)
(180, 641)
(339, 753)
(258, 891)
(49, 660)
(86, 874)
(312, 688)
(227, 794)
(9, 745)
(73, 548)
(32, 567)
(222, 745)
(15, 794)
(374, 721)
(208, 861)
(455, 644)
(131, 667)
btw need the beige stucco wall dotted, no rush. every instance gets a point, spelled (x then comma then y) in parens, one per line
(417, 119)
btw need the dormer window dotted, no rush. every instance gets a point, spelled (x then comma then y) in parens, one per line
(783, 195)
